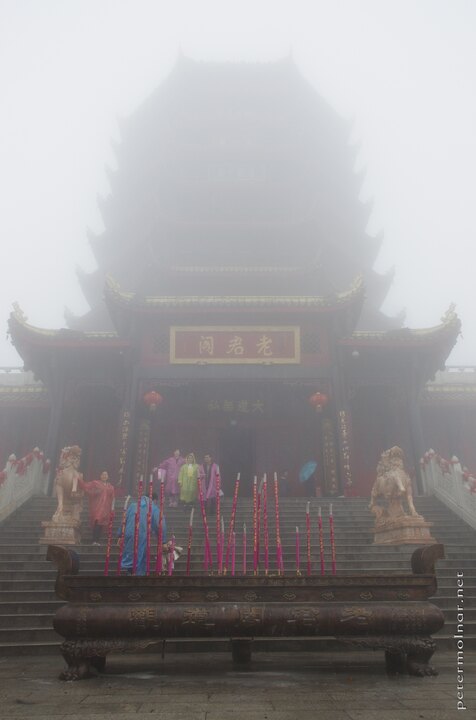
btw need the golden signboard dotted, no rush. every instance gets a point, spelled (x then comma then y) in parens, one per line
(235, 344)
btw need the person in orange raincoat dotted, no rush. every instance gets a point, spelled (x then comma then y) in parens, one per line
(101, 497)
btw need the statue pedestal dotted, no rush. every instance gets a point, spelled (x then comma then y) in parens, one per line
(63, 532)
(404, 530)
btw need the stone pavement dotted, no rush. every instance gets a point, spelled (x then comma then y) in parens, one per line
(303, 686)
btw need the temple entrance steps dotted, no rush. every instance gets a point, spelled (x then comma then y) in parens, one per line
(28, 602)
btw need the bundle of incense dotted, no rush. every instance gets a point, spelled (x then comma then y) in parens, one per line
(308, 537)
(109, 540)
(321, 543)
(123, 535)
(136, 526)
(159, 564)
(189, 548)
(208, 553)
(265, 524)
(244, 548)
(149, 519)
(279, 552)
(255, 526)
(298, 553)
(232, 521)
(172, 556)
(218, 521)
(333, 545)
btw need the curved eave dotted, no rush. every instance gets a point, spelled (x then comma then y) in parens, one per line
(118, 298)
(22, 332)
(446, 333)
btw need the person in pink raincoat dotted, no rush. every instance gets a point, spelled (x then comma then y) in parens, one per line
(171, 467)
(208, 472)
(101, 497)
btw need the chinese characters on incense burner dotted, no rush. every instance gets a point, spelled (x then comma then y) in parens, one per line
(394, 525)
(220, 552)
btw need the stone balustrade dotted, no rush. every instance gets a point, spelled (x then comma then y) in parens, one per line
(451, 483)
(21, 479)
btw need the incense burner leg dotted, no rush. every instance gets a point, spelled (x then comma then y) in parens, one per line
(241, 650)
(419, 656)
(82, 658)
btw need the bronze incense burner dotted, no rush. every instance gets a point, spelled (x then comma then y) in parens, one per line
(128, 614)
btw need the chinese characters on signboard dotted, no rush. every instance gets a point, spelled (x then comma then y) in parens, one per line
(236, 345)
(236, 406)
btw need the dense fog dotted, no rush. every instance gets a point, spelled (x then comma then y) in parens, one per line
(401, 72)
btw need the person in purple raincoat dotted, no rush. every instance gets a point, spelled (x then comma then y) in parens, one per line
(208, 472)
(172, 466)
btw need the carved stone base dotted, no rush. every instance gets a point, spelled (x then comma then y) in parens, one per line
(62, 533)
(404, 530)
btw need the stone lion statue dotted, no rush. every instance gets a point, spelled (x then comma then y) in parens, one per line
(393, 485)
(66, 485)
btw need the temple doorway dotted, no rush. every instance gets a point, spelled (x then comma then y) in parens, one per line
(237, 454)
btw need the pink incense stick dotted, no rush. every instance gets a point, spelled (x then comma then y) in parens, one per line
(232, 521)
(159, 561)
(222, 546)
(189, 548)
(208, 553)
(244, 548)
(123, 535)
(255, 526)
(109, 540)
(149, 519)
(233, 553)
(333, 545)
(298, 553)
(308, 537)
(265, 524)
(218, 521)
(279, 554)
(321, 543)
(136, 526)
(258, 531)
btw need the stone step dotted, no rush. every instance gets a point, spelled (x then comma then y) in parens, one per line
(29, 633)
(22, 595)
(32, 607)
(22, 620)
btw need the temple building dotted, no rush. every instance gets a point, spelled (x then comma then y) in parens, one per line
(235, 309)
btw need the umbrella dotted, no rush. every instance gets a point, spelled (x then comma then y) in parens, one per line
(307, 470)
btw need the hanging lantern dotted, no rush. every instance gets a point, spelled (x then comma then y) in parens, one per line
(318, 401)
(152, 399)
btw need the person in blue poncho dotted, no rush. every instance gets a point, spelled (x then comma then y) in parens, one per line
(128, 553)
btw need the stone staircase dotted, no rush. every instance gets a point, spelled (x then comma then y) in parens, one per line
(28, 602)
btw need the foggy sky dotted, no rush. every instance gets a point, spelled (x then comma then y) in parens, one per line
(403, 70)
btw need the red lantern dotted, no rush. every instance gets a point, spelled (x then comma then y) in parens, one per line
(318, 401)
(152, 399)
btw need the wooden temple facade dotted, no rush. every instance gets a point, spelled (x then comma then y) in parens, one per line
(234, 278)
